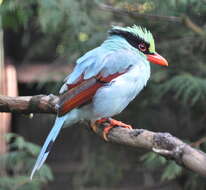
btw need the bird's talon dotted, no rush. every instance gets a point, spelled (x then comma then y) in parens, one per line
(106, 132)
(101, 120)
(94, 127)
(119, 124)
(129, 127)
(104, 136)
(112, 123)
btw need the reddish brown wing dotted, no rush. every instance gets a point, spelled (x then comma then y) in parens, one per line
(81, 93)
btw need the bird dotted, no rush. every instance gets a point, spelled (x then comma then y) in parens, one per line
(103, 82)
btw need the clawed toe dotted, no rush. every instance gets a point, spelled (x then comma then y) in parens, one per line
(111, 124)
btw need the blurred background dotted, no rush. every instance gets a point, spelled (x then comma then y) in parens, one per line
(39, 43)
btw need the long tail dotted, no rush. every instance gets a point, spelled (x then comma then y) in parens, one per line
(48, 144)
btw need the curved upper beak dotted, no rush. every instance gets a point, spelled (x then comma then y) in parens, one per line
(157, 59)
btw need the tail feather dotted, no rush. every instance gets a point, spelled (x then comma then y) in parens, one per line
(48, 144)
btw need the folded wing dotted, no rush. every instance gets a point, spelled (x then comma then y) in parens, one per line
(92, 72)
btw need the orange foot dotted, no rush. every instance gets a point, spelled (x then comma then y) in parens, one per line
(112, 123)
(94, 126)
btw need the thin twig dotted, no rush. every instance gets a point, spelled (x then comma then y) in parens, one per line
(126, 12)
(197, 143)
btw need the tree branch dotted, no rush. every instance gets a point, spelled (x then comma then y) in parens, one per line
(29, 104)
(160, 143)
(185, 20)
(192, 26)
(135, 14)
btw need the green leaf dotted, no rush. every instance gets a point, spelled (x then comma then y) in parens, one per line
(187, 88)
(19, 162)
(153, 160)
(171, 171)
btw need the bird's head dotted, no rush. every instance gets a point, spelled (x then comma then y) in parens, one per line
(142, 40)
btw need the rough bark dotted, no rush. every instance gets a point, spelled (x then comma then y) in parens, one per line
(28, 104)
(160, 143)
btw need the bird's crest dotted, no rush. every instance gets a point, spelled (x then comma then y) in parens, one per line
(139, 32)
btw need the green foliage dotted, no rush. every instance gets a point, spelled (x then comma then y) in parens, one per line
(15, 14)
(194, 182)
(153, 160)
(69, 28)
(170, 169)
(16, 166)
(185, 87)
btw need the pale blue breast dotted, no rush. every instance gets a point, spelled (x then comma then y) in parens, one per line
(115, 55)
(114, 98)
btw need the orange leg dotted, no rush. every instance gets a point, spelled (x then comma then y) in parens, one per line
(94, 126)
(112, 123)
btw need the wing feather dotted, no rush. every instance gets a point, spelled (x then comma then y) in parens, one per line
(100, 59)
(82, 93)
(84, 81)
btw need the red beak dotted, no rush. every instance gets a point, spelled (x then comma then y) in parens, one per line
(157, 59)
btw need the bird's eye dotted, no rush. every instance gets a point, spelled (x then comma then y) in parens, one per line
(142, 47)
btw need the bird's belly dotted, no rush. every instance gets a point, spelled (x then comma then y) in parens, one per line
(112, 99)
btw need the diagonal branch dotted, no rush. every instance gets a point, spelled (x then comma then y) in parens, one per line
(185, 20)
(135, 14)
(161, 143)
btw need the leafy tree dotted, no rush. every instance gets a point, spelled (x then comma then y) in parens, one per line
(17, 163)
(68, 28)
